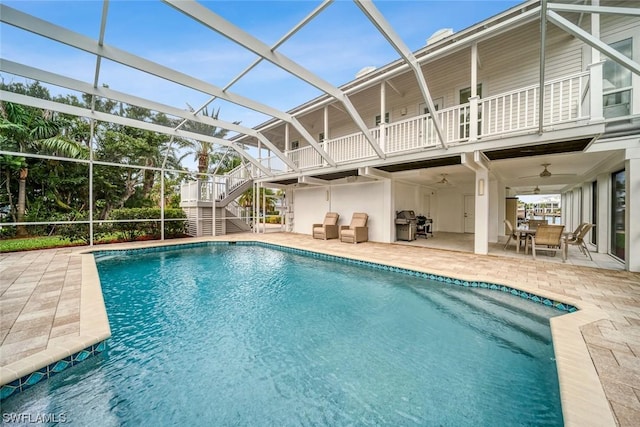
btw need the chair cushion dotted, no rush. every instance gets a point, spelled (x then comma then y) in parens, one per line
(359, 220)
(331, 218)
(348, 232)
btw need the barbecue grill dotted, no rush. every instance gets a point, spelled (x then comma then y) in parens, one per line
(406, 225)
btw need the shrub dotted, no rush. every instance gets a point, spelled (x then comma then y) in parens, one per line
(133, 230)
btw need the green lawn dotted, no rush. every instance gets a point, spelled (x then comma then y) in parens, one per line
(30, 243)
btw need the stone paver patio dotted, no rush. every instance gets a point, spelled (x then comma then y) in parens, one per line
(50, 304)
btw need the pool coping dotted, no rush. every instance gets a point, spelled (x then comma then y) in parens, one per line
(582, 396)
(66, 351)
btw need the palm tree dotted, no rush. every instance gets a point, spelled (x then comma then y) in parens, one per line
(23, 128)
(204, 152)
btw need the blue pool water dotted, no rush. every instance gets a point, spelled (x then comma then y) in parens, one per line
(249, 335)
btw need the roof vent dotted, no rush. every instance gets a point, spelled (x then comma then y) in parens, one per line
(442, 33)
(365, 70)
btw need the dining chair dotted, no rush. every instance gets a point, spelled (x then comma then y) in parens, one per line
(577, 239)
(513, 234)
(548, 238)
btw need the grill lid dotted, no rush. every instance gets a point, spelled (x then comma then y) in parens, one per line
(405, 217)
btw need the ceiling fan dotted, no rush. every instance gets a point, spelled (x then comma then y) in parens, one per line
(546, 173)
(443, 180)
(536, 190)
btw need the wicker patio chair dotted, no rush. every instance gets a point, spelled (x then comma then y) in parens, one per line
(328, 229)
(357, 231)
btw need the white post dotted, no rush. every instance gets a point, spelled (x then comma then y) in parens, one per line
(91, 135)
(161, 204)
(214, 197)
(595, 71)
(481, 244)
(632, 226)
(264, 210)
(287, 141)
(473, 100)
(325, 131)
(383, 107)
(255, 207)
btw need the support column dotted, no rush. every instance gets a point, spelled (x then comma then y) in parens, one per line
(595, 70)
(632, 225)
(214, 197)
(481, 245)
(389, 211)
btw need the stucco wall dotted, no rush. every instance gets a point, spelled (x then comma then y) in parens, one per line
(373, 198)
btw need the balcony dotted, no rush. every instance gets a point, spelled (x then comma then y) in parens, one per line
(505, 115)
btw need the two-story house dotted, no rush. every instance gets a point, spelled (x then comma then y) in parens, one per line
(543, 95)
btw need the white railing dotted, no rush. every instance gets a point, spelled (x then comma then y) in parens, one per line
(510, 112)
(350, 147)
(518, 110)
(217, 186)
(272, 163)
(189, 191)
(305, 157)
(194, 191)
(406, 135)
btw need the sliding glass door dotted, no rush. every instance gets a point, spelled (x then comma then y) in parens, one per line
(619, 202)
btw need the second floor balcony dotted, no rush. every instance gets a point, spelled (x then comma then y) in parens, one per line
(514, 113)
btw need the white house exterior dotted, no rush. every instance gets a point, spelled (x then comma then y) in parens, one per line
(487, 75)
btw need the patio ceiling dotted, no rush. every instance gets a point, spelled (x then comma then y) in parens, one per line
(521, 174)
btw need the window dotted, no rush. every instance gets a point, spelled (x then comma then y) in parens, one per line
(386, 119)
(618, 207)
(295, 145)
(437, 103)
(321, 137)
(465, 93)
(616, 85)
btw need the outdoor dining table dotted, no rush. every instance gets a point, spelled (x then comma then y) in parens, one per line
(523, 234)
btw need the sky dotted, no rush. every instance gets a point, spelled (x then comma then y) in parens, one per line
(338, 43)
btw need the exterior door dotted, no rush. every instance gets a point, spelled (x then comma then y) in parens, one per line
(469, 214)
(426, 206)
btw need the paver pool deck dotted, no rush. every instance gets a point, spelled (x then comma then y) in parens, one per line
(51, 306)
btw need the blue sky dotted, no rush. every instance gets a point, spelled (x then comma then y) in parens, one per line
(336, 45)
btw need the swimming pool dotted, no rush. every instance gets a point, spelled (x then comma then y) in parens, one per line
(249, 335)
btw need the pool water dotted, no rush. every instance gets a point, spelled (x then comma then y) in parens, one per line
(249, 335)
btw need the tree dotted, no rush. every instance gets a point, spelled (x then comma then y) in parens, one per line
(25, 128)
(204, 152)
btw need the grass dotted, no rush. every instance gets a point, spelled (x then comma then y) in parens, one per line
(37, 242)
(48, 242)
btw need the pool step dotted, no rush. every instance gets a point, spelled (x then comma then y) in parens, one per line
(485, 321)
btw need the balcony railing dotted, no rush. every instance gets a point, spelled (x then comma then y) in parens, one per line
(508, 113)
(217, 186)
